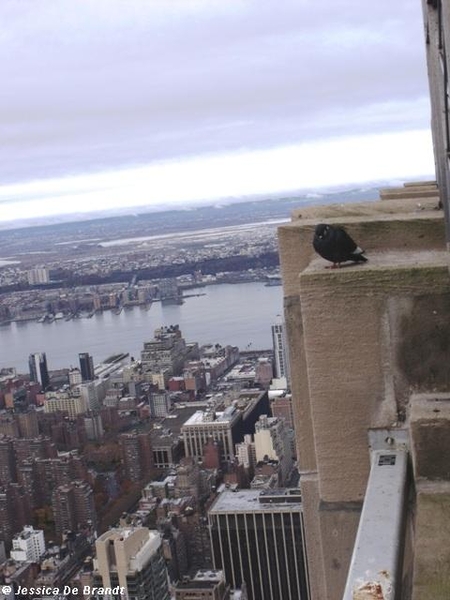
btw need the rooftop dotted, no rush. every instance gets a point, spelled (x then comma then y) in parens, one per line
(203, 579)
(200, 416)
(249, 501)
(27, 532)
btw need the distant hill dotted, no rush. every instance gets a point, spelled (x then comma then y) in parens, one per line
(98, 226)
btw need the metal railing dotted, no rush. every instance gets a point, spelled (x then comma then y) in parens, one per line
(375, 568)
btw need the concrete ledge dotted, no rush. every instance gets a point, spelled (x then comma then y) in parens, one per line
(397, 228)
(431, 182)
(416, 193)
(400, 272)
(420, 183)
(413, 189)
(373, 209)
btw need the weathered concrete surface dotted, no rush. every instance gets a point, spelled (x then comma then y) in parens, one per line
(415, 184)
(432, 548)
(370, 211)
(302, 414)
(309, 483)
(358, 322)
(416, 192)
(429, 420)
(338, 526)
(375, 226)
(430, 436)
(355, 356)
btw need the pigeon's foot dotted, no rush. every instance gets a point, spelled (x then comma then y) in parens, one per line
(344, 265)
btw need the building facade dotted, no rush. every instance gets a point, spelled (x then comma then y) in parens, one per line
(245, 452)
(167, 352)
(65, 401)
(92, 392)
(28, 545)
(280, 350)
(160, 404)
(38, 369)
(27, 423)
(86, 366)
(73, 507)
(38, 276)
(137, 455)
(273, 442)
(204, 585)
(282, 408)
(222, 427)
(15, 511)
(7, 461)
(131, 558)
(257, 538)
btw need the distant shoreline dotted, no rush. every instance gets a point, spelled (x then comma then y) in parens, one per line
(360, 192)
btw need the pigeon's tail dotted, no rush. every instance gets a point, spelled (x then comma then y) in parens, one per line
(358, 255)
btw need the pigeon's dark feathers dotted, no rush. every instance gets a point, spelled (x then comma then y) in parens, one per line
(334, 244)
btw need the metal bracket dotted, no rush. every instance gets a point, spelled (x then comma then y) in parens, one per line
(388, 439)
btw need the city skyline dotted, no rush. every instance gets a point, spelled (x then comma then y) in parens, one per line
(163, 106)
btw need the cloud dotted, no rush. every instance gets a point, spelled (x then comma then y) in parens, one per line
(323, 164)
(99, 85)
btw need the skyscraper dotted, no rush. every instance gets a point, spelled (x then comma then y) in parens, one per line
(280, 350)
(38, 369)
(257, 538)
(131, 558)
(137, 455)
(15, 511)
(86, 366)
(73, 507)
(7, 461)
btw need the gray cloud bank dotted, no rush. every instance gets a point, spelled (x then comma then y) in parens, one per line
(96, 85)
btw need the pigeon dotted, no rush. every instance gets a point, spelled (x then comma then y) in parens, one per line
(334, 244)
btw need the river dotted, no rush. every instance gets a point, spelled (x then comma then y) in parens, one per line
(237, 314)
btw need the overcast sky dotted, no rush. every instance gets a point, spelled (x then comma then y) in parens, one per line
(106, 103)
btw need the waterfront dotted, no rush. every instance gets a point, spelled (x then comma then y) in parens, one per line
(237, 314)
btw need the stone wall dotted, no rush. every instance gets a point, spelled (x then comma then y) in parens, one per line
(362, 338)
